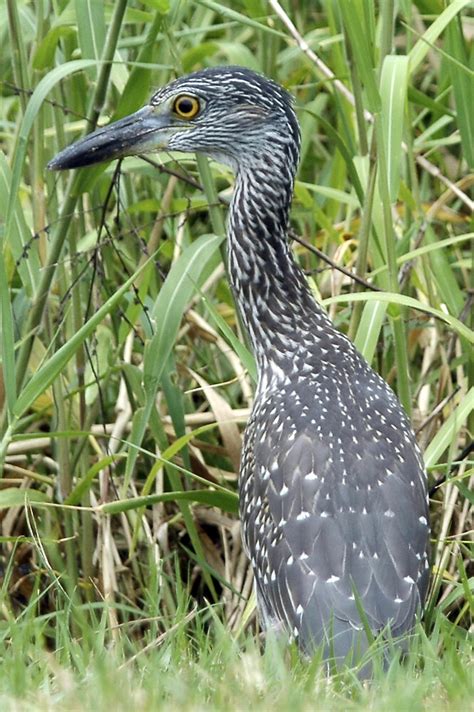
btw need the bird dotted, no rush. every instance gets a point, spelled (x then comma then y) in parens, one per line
(332, 486)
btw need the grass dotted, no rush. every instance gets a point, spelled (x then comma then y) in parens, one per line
(125, 380)
(197, 663)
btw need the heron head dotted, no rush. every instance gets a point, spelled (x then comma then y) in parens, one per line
(231, 114)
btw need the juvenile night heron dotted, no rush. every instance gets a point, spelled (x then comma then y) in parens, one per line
(333, 496)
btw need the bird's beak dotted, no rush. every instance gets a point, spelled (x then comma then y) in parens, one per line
(141, 132)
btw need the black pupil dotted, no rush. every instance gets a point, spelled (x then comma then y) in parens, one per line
(186, 106)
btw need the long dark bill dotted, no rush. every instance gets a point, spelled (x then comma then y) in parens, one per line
(133, 134)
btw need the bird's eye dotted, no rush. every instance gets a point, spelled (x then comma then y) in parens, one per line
(186, 107)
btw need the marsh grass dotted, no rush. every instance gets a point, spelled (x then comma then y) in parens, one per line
(125, 379)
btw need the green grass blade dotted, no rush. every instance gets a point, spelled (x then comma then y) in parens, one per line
(85, 483)
(423, 45)
(353, 15)
(227, 501)
(393, 91)
(16, 497)
(91, 28)
(7, 339)
(368, 332)
(402, 300)
(446, 434)
(463, 90)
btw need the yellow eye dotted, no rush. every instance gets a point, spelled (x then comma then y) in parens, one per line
(186, 107)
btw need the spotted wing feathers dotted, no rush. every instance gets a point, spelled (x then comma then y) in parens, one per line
(331, 530)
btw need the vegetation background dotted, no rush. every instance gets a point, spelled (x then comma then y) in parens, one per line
(125, 379)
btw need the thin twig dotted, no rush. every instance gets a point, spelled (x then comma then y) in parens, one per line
(294, 236)
(455, 466)
(437, 410)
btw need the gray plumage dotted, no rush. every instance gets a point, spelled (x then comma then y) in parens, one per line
(333, 495)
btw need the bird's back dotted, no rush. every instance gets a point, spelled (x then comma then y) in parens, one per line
(333, 504)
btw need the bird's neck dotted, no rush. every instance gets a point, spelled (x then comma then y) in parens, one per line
(274, 300)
